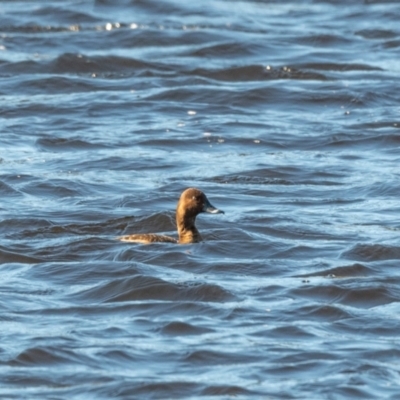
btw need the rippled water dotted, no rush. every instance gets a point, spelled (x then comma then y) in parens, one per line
(286, 114)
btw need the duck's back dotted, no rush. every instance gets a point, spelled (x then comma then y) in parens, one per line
(147, 238)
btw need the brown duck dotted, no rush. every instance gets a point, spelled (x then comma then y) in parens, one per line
(191, 203)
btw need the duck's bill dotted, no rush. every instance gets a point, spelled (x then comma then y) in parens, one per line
(209, 208)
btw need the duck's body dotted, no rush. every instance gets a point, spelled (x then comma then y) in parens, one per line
(191, 203)
(147, 238)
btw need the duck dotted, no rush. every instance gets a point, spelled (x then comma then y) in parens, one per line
(191, 203)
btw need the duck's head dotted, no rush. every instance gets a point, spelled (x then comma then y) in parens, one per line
(193, 202)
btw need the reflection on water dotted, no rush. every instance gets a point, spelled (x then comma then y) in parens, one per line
(286, 115)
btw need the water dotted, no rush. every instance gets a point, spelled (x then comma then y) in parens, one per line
(286, 114)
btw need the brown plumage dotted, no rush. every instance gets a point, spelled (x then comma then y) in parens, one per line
(191, 203)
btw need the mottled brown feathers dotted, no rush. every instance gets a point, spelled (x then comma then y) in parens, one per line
(147, 238)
